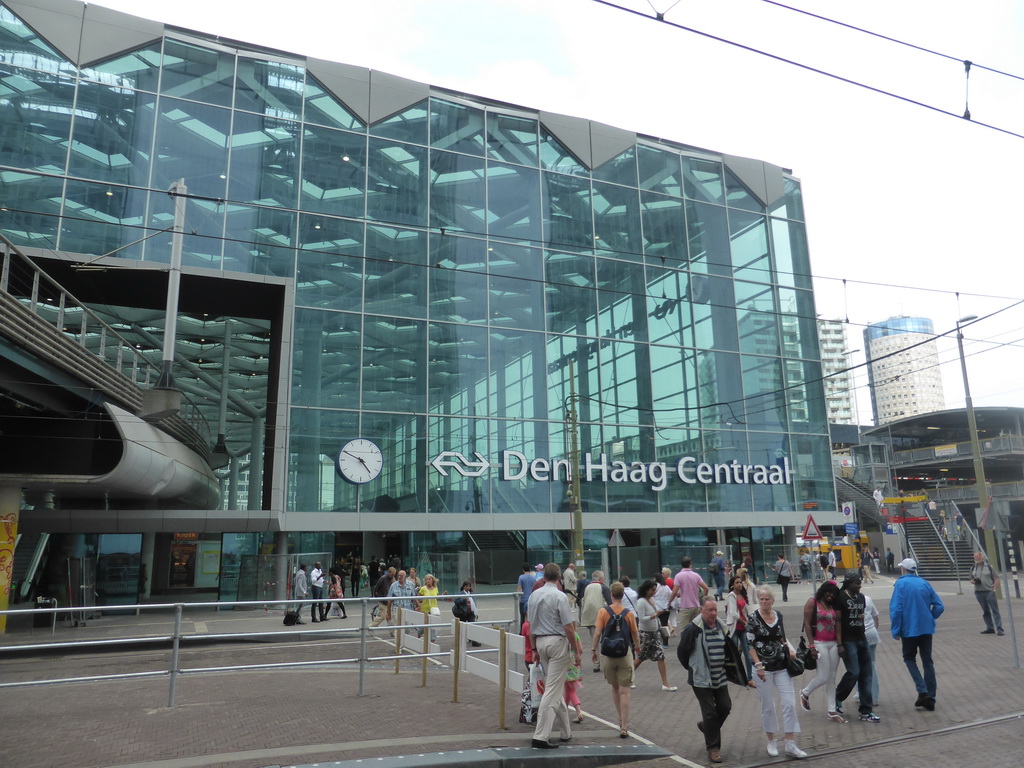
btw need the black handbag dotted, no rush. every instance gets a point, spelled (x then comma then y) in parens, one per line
(795, 666)
(807, 656)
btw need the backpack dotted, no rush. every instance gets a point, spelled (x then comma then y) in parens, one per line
(613, 640)
(713, 568)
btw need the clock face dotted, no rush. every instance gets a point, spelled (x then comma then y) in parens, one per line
(359, 461)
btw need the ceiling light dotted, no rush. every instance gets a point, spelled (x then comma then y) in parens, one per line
(345, 158)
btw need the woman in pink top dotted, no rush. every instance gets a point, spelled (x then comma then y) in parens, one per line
(820, 631)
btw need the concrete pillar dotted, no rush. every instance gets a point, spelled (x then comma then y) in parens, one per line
(10, 509)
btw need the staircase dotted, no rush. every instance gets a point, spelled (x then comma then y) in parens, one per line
(496, 540)
(867, 507)
(29, 560)
(935, 557)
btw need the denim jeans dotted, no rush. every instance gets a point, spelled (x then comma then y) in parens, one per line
(857, 658)
(989, 608)
(911, 647)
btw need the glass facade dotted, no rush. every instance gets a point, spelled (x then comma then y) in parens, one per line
(451, 264)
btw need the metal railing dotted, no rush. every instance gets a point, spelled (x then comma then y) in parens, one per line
(177, 637)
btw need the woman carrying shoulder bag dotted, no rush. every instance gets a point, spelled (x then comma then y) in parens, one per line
(820, 631)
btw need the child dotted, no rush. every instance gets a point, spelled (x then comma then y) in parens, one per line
(573, 682)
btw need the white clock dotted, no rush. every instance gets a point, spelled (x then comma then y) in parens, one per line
(359, 461)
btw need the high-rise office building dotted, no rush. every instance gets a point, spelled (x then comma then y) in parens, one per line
(840, 403)
(903, 368)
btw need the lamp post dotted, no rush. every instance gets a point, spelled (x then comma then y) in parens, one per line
(972, 425)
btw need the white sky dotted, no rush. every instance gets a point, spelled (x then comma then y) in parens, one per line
(896, 195)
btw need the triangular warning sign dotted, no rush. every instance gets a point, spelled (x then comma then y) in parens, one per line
(811, 530)
(616, 539)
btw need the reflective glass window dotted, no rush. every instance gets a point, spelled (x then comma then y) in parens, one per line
(204, 236)
(458, 281)
(322, 107)
(260, 240)
(458, 370)
(333, 179)
(100, 218)
(738, 196)
(799, 323)
(456, 127)
(570, 295)
(330, 265)
(555, 157)
(33, 205)
(673, 445)
(765, 405)
(396, 273)
(409, 125)
(270, 88)
(617, 221)
(660, 171)
(714, 314)
(792, 261)
(512, 139)
(791, 204)
(702, 180)
(112, 135)
(769, 449)
(811, 462)
(757, 318)
(748, 234)
(625, 387)
(197, 74)
(621, 169)
(138, 69)
(457, 492)
(664, 228)
(36, 115)
(708, 238)
(394, 365)
(582, 352)
(515, 274)
(403, 441)
(518, 378)
(264, 161)
(806, 396)
(457, 194)
(22, 48)
(721, 391)
(326, 359)
(192, 144)
(526, 495)
(721, 447)
(397, 183)
(674, 387)
(669, 311)
(315, 436)
(513, 202)
(628, 445)
(568, 216)
(622, 300)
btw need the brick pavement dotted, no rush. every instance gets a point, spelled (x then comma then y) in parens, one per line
(296, 717)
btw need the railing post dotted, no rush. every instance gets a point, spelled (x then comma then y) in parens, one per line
(174, 654)
(426, 650)
(398, 636)
(502, 678)
(362, 648)
(459, 643)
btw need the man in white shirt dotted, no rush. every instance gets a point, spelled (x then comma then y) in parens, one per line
(316, 583)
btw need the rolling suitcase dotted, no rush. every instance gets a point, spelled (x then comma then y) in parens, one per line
(290, 618)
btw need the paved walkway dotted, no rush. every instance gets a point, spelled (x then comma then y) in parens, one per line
(315, 715)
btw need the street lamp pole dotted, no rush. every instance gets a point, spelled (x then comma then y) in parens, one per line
(972, 425)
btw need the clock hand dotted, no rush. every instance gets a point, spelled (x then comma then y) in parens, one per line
(358, 458)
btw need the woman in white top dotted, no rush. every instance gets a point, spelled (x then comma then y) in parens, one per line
(662, 596)
(650, 632)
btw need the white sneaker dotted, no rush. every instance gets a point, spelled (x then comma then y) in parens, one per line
(669, 688)
(773, 748)
(794, 750)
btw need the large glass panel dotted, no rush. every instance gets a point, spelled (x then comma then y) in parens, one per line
(664, 228)
(457, 194)
(326, 359)
(139, 69)
(323, 108)
(702, 180)
(792, 261)
(112, 135)
(708, 236)
(799, 324)
(617, 221)
(811, 461)
(198, 74)
(270, 87)
(757, 319)
(568, 216)
(660, 171)
(22, 48)
(522, 495)
(623, 446)
(674, 444)
(458, 282)
(315, 438)
(625, 382)
(456, 127)
(805, 392)
(714, 314)
(765, 404)
(264, 161)
(669, 311)
(674, 387)
(330, 271)
(396, 271)
(36, 115)
(769, 449)
(192, 144)
(513, 202)
(333, 172)
(394, 365)
(408, 125)
(516, 273)
(403, 482)
(582, 353)
(721, 391)
(570, 294)
(260, 240)
(622, 300)
(791, 204)
(518, 375)
(748, 234)
(397, 183)
(738, 196)
(457, 492)
(722, 448)
(619, 170)
(458, 371)
(555, 157)
(99, 218)
(33, 205)
(512, 139)
(204, 231)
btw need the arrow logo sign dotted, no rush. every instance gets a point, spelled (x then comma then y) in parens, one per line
(463, 466)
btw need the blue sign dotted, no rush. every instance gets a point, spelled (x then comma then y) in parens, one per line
(851, 529)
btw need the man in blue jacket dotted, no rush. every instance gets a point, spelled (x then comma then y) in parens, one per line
(912, 612)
